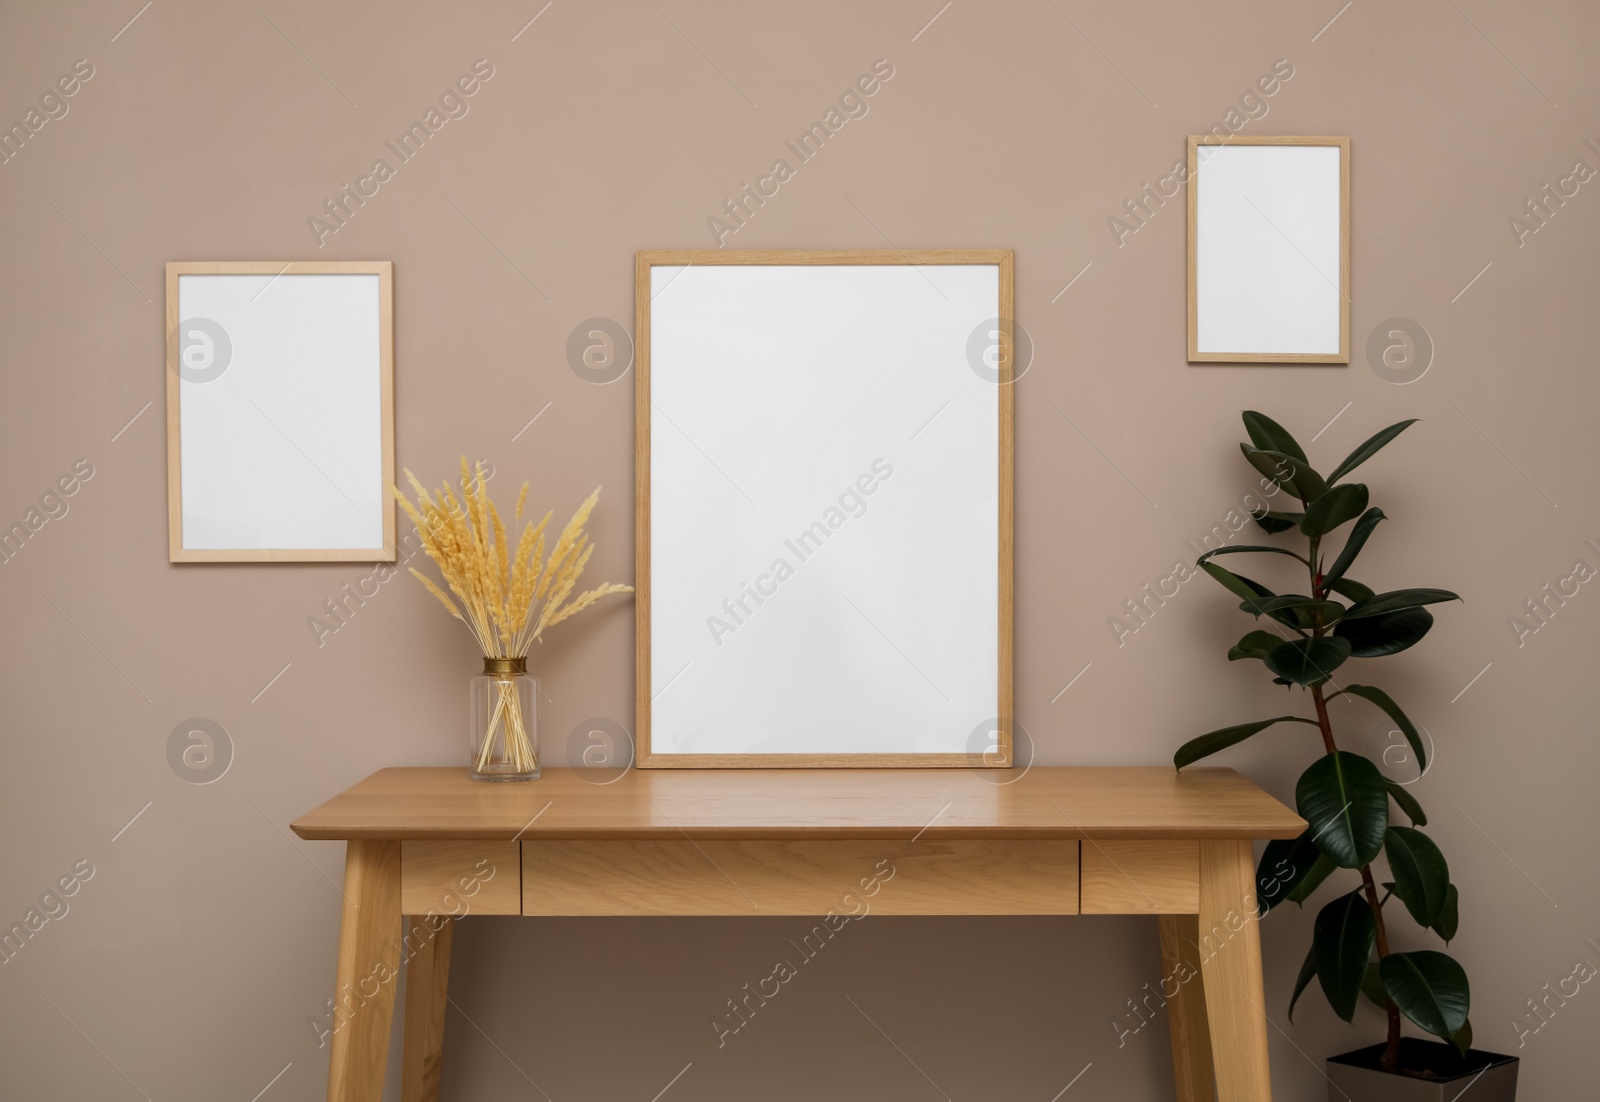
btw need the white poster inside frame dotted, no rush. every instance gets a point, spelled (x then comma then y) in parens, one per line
(280, 411)
(824, 509)
(1269, 249)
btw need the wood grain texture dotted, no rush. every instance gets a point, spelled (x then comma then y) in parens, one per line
(1191, 194)
(174, 439)
(1005, 260)
(460, 878)
(1186, 1010)
(1229, 948)
(368, 969)
(427, 994)
(990, 760)
(641, 504)
(1140, 877)
(1044, 802)
(853, 878)
(384, 270)
(675, 257)
(1343, 355)
(1004, 755)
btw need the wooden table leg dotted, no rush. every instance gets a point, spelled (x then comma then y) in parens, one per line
(369, 965)
(427, 988)
(1229, 948)
(1191, 1034)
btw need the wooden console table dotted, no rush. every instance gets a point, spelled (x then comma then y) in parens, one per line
(1058, 841)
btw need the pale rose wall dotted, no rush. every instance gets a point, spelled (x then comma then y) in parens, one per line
(189, 964)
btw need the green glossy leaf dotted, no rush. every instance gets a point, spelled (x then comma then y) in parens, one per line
(1353, 544)
(1252, 548)
(1407, 802)
(1273, 522)
(1321, 869)
(1342, 941)
(1343, 800)
(1339, 505)
(1236, 584)
(1259, 606)
(1376, 636)
(1430, 988)
(1368, 449)
(1254, 645)
(1305, 612)
(1383, 603)
(1211, 742)
(1401, 720)
(1449, 920)
(1308, 972)
(1308, 661)
(1248, 589)
(1421, 876)
(1354, 591)
(1294, 475)
(1284, 865)
(1462, 1039)
(1267, 434)
(1372, 986)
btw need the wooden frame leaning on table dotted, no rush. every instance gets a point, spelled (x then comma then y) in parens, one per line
(328, 349)
(993, 409)
(1299, 240)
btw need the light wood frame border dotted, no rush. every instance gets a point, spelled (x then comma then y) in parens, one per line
(1343, 355)
(384, 270)
(1004, 259)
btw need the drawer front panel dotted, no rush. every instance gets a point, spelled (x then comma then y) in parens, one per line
(460, 878)
(854, 878)
(1140, 877)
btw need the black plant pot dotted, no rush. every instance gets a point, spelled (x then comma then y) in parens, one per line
(1437, 1073)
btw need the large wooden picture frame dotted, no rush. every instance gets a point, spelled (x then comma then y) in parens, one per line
(691, 308)
(280, 408)
(1269, 249)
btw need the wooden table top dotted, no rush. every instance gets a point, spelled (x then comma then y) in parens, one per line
(787, 804)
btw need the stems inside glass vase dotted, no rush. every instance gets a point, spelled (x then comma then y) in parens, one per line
(507, 726)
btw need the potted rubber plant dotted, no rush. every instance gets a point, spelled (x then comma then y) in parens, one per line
(1359, 821)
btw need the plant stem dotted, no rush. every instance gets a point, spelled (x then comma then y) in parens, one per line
(1323, 723)
(1390, 1060)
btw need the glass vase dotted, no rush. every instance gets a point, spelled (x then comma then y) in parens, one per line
(503, 731)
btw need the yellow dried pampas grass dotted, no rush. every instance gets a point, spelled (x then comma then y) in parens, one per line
(506, 595)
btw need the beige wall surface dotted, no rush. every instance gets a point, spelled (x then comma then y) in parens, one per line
(197, 948)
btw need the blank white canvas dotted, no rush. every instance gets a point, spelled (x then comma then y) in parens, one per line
(283, 449)
(1267, 237)
(774, 390)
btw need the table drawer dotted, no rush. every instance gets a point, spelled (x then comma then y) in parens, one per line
(460, 878)
(1141, 877)
(683, 877)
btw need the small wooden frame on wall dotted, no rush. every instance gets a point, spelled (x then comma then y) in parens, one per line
(823, 485)
(280, 411)
(1269, 249)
